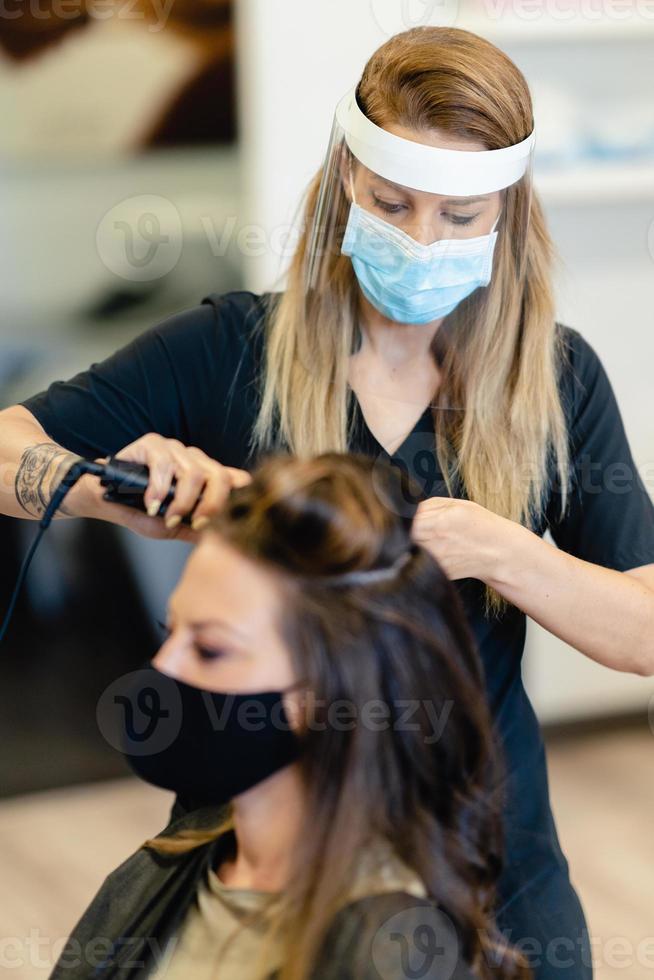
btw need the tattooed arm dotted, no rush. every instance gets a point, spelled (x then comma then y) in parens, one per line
(32, 466)
(41, 469)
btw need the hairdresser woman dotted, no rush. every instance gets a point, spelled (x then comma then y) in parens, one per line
(417, 325)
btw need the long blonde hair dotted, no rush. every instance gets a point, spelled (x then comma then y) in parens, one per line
(503, 351)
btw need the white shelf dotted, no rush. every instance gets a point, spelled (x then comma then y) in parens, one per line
(597, 182)
(509, 28)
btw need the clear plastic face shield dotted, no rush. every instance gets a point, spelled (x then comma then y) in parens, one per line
(427, 228)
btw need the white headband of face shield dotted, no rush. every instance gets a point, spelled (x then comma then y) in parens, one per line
(430, 168)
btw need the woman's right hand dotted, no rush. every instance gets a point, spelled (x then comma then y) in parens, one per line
(197, 475)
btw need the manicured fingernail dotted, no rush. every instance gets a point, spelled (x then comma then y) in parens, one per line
(199, 522)
(173, 521)
(153, 508)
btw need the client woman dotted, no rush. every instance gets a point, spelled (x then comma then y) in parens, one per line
(324, 726)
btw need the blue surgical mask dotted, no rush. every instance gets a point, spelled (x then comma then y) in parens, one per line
(410, 282)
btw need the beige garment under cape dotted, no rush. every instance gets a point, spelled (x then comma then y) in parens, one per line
(199, 949)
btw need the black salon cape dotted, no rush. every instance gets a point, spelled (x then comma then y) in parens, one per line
(125, 931)
(193, 378)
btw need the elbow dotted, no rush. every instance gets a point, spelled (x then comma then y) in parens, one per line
(646, 659)
(638, 661)
(641, 662)
(641, 657)
(645, 667)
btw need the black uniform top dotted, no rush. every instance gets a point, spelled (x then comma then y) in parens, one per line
(193, 378)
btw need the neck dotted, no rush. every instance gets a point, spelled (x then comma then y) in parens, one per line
(267, 822)
(397, 344)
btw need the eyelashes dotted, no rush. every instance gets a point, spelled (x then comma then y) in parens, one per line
(386, 207)
(204, 653)
(459, 219)
(454, 219)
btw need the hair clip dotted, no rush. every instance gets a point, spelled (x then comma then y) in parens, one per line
(369, 575)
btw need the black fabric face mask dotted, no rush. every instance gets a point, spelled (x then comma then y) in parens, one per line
(206, 746)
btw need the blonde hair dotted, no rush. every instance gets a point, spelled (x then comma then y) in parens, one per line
(500, 363)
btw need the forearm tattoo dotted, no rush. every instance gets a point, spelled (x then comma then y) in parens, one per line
(40, 471)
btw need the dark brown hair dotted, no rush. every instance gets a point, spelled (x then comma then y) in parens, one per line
(402, 640)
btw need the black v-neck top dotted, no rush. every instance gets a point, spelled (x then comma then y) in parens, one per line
(193, 377)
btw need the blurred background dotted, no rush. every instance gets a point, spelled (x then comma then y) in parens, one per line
(154, 151)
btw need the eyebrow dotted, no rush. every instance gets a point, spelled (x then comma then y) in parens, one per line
(450, 200)
(203, 623)
(216, 622)
(467, 200)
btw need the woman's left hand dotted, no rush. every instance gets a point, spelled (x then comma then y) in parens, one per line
(465, 538)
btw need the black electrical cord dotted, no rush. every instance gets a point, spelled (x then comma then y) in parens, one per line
(70, 479)
(19, 582)
(126, 483)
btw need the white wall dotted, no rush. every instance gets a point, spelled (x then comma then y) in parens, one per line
(296, 60)
(606, 292)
